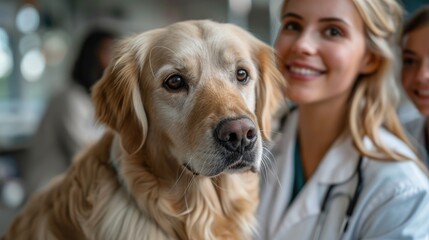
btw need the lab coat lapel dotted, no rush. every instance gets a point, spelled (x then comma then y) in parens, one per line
(339, 163)
(280, 177)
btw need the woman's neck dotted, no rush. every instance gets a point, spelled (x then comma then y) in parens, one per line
(318, 127)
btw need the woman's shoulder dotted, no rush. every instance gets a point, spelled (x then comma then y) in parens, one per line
(399, 193)
(397, 173)
(391, 142)
(396, 185)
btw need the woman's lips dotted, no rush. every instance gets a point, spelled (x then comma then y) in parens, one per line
(303, 72)
(422, 92)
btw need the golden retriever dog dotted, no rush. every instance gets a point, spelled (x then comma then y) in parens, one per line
(188, 108)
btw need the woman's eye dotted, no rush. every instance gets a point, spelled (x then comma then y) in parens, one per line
(174, 83)
(333, 32)
(242, 76)
(291, 26)
(408, 61)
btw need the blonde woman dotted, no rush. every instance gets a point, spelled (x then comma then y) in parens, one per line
(344, 169)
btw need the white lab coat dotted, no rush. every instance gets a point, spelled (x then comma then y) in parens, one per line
(394, 203)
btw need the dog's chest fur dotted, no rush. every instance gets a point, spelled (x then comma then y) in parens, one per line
(122, 219)
(90, 203)
(196, 208)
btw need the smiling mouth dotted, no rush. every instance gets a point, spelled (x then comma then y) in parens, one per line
(422, 93)
(304, 71)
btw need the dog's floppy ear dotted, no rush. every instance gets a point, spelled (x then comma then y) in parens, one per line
(117, 96)
(270, 89)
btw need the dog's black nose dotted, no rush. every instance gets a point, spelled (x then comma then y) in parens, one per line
(236, 135)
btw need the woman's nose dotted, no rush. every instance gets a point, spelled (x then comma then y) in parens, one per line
(305, 44)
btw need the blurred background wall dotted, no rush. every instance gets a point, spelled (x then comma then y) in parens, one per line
(38, 41)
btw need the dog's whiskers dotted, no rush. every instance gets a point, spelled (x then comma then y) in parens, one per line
(184, 169)
(264, 171)
(269, 162)
(180, 175)
(206, 157)
(187, 210)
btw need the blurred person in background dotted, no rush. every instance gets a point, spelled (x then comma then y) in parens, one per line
(415, 76)
(69, 123)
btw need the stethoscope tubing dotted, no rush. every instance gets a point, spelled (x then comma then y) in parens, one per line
(358, 191)
(352, 203)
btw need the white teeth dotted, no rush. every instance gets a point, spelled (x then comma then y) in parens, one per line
(303, 71)
(423, 92)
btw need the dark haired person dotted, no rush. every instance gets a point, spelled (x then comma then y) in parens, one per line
(68, 123)
(415, 75)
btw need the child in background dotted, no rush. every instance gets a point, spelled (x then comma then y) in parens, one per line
(415, 75)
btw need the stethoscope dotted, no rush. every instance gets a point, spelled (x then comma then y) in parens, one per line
(351, 207)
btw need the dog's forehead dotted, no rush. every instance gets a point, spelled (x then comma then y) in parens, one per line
(206, 30)
(196, 48)
(204, 39)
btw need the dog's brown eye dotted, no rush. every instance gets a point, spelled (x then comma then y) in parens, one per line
(175, 83)
(242, 76)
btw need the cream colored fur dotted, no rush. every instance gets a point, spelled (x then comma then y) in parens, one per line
(133, 183)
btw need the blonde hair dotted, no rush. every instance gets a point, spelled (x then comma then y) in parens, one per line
(375, 96)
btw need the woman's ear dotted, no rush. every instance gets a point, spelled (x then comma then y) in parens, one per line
(370, 63)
